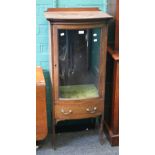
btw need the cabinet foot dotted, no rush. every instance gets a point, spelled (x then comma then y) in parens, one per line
(101, 130)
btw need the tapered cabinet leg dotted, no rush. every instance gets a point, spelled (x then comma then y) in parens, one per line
(101, 130)
(53, 135)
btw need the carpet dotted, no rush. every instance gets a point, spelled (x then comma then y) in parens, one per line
(77, 143)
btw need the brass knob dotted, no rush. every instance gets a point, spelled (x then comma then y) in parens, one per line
(92, 111)
(66, 113)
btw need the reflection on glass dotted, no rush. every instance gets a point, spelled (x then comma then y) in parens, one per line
(78, 63)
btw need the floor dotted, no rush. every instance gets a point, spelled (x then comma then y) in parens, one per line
(78, 143)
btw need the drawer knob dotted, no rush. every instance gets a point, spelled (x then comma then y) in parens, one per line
(92, 111)
(66, 113)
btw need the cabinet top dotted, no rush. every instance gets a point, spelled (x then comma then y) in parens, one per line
(75, 14)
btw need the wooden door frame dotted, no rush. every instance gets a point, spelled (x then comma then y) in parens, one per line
(103, 52)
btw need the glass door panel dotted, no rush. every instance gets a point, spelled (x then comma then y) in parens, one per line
(79, 52)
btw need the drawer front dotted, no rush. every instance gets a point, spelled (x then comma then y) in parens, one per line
(78, 111)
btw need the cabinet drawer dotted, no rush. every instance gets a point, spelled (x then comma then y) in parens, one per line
(78, 111)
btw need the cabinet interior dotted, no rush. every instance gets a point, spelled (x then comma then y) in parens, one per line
(79, 52)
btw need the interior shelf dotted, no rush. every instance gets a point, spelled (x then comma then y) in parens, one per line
(79, 91)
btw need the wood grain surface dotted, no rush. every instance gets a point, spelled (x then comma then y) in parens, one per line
(54, 14)
(41, 114)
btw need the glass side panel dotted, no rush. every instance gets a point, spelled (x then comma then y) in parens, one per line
(79, 52)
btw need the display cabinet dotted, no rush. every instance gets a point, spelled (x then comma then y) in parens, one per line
(77, 63)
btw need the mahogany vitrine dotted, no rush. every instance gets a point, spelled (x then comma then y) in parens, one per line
(77, 63)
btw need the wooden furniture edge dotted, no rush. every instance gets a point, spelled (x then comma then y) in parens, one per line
(40, 79)
(113, 53)
(40, 87)
(113, 138)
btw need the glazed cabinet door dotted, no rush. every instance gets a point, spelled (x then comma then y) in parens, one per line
(78, 62)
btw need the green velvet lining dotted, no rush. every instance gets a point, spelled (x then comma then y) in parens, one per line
(79, 91)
